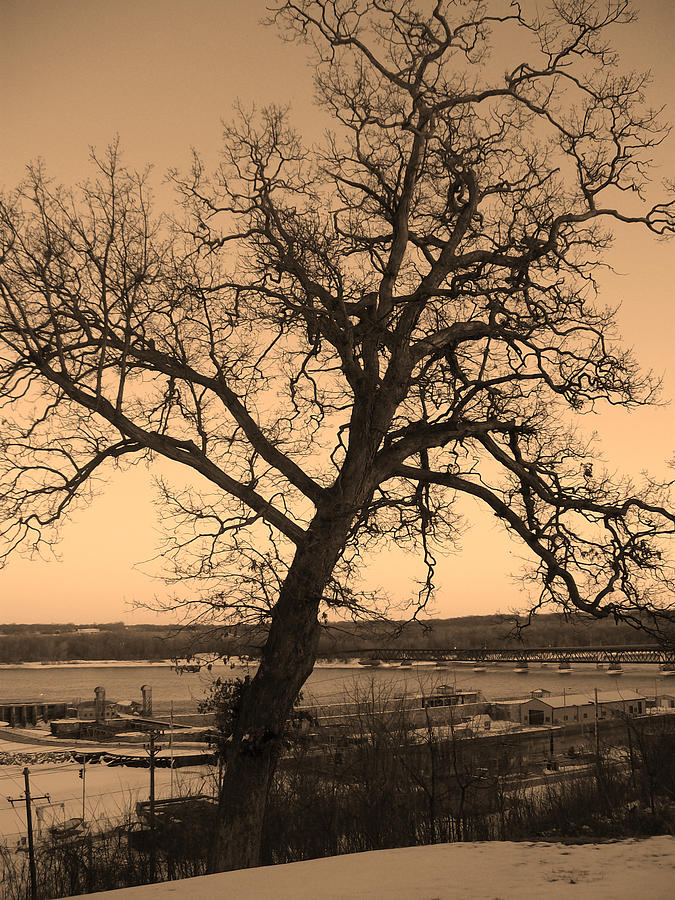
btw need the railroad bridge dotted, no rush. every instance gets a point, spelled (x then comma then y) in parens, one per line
(644, 653)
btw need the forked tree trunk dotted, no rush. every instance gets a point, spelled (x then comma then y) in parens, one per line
(287, 661)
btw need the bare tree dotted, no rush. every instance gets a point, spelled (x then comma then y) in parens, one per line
(341, 340)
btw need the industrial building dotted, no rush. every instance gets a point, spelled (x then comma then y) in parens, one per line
(566, 709)
(101, 718)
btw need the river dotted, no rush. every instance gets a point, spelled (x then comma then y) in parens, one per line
(327, 683)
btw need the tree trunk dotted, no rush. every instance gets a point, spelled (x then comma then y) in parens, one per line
(286, 662)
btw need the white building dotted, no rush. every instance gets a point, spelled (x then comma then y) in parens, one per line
(567, 709)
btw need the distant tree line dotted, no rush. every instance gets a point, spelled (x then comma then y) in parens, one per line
(58, 647)
(473, 632)
(59, 643)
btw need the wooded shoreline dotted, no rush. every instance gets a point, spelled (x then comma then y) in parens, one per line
(117, 641)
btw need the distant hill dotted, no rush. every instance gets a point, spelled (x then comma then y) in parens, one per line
(473, 632)
(115, 640)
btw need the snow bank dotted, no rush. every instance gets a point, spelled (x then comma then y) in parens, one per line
(621, 870)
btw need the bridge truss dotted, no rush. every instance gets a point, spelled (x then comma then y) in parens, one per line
(624, 654)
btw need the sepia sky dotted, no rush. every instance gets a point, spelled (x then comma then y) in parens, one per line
(162, 74)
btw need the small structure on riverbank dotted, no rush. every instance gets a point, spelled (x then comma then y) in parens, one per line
(98, 710)
(448, 695)
(665, 701)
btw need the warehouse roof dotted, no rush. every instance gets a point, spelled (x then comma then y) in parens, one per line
(588, 699)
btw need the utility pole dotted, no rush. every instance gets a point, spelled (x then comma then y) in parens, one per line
(552, 765)
(29, 827)
(597, 733)
(630, 752)
(153, 749)
(171, 748)
(83, 776)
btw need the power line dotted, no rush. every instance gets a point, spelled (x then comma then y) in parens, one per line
(29, 827)
(125, 790)
(47, 771)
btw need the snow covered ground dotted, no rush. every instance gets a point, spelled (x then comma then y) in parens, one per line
(621, 870)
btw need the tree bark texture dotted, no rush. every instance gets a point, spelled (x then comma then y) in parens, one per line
(286, 662)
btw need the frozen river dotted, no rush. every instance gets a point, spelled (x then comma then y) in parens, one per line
(327, 682)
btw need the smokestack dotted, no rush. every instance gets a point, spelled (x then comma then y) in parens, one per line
(146, 691)
(100, 703)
